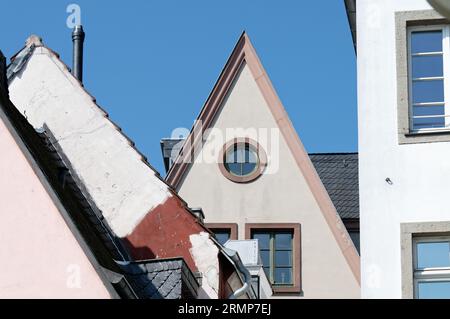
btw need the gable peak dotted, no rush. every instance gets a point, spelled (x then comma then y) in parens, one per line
(34, 40)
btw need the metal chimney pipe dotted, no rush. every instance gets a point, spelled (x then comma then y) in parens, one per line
(78, 36)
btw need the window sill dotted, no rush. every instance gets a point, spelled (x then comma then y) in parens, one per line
(424, 137)
(279, 290)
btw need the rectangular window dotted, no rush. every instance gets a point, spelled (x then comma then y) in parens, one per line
(432, 268)
(222, 235)
(280, 251)
(275, 248)
(223, 231)
(428, 58)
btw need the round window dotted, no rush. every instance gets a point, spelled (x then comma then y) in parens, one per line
(242, 161)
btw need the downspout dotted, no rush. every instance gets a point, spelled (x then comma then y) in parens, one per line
(233, 255)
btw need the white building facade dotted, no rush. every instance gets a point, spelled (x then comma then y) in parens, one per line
(403, 53)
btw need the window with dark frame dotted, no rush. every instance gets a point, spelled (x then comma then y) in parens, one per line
(223, 231)
(276, 251)
(222, 235)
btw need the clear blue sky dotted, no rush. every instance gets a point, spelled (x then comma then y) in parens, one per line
(151, 64)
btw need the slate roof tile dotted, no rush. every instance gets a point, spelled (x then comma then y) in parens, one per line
(339, 175)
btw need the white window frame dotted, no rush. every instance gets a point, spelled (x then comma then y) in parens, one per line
(446, 76)
(432, 274)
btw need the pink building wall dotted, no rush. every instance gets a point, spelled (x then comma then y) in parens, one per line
(39, 255)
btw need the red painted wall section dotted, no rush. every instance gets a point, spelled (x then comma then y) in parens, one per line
(164, 233)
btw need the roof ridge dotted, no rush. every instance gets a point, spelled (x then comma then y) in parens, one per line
(24, 56)
(28, 51)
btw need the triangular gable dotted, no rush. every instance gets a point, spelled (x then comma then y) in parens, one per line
(245, 53)
(156, 222)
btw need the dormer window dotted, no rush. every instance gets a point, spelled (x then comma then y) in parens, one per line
(428, 54)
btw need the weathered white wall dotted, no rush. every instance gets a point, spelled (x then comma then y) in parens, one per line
(122, 186)
(283, 197)
(40, 257)
(205, 254)
(419, 172)
(120, 183)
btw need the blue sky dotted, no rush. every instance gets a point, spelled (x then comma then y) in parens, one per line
(152, 64)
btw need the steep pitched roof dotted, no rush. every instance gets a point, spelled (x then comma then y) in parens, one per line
(339, 175)
(103, 248)
(162, 279)
(179, 246)
(20, 60)
(245, 53)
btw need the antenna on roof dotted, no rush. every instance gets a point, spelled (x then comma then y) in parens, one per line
(78, 36)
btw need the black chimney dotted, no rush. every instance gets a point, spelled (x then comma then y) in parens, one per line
(3, 77)
(78, 42)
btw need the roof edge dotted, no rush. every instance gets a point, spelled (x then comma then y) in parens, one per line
(350, 8)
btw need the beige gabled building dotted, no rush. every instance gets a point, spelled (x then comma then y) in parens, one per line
(245, 165)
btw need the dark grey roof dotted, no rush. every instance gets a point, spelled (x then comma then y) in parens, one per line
(19, 60)
(350, 7)
(170, 148)
(162, 279)
(339, 174)
(72, 184)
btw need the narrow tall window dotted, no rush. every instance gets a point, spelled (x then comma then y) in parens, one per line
(432, 268)
(428, 78)
(275, 248)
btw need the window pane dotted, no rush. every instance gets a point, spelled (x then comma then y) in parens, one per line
(435, 122)
(222, 236)
(241, 160)
(428, 91)
(283, 276)
(231, 156)
(354, 235)
(248, 168)
(251, 156)
(426, 41)
(283, 241)
(265, 258)
(428, 110)
(432, 255)
(434, 290)
(234, 168)
(283, 258)
(427, 66)
(263, 239)
(240, 155)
